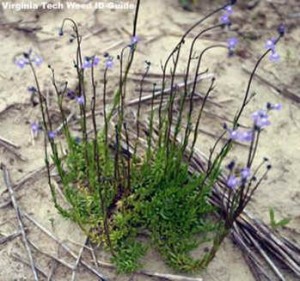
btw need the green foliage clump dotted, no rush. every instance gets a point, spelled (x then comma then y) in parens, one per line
(165, 200)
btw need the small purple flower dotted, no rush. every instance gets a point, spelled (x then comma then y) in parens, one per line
(109, 63)
(28, 58)
(31, 89)
(71, 94)
(134, 40)
(21, 62)
(51, 135)
(224, 19)
(96, 61)
(245, 173)
(271, 44)
(259, 114)
(80, 100)
(37, 60)
(242, 136)
(274, 57)
(261, 119)
(262, 122)
(232, 43)
(90, 61)
(35, 127)
(231, 165)
(232, 182)
(233, 134)
(246, 136)
(276, 106)
(229, 10)
(281, 29)
(60, 32)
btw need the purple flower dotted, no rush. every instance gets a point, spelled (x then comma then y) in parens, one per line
(262, 122)
(224, 19)
(32, 89)
(71, 94)
(35, 127)
(229, 10)
(276, 106)
(134, 40)
(80, 100)
(37, 60)
(281, 29)
(90, 61)
(259, 114)
(21, 62)
(96, 61)
(232, 182)
(109, 63)
(271, 44)
(28, 58)
(274, 57)
(242, 136)
(245, 173)
(261, 119)
(51, 135)
(233, 134)
(232, 43)
(231, 165)
(246, 136)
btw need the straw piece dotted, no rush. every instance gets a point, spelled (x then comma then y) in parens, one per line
(158, 93)
(18, 258)
(8, 142)
(10, 237)
(12, 150)
(66, 248)
(78, 261)
(18, 215)
(282, 90)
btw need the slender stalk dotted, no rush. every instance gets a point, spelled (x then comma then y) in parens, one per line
(97, 163)
(59, 101)
(151, 124)
(245, 100)
(250, 161)
(139, 108)
(105, 114)
(188, 128)
(128, 176)
(169, 108)
(191, 54)
(211, 87)
(176, 49)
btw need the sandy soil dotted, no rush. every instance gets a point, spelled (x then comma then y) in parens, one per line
(160, 25)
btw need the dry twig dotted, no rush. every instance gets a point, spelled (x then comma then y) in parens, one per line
(78, 261)
(28, 263)
(12, 149)
(281, 90)
(158, 93)
(19, 218)
(66, 248)
(10, 237)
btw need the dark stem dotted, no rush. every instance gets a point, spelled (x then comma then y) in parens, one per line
(245, 100)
